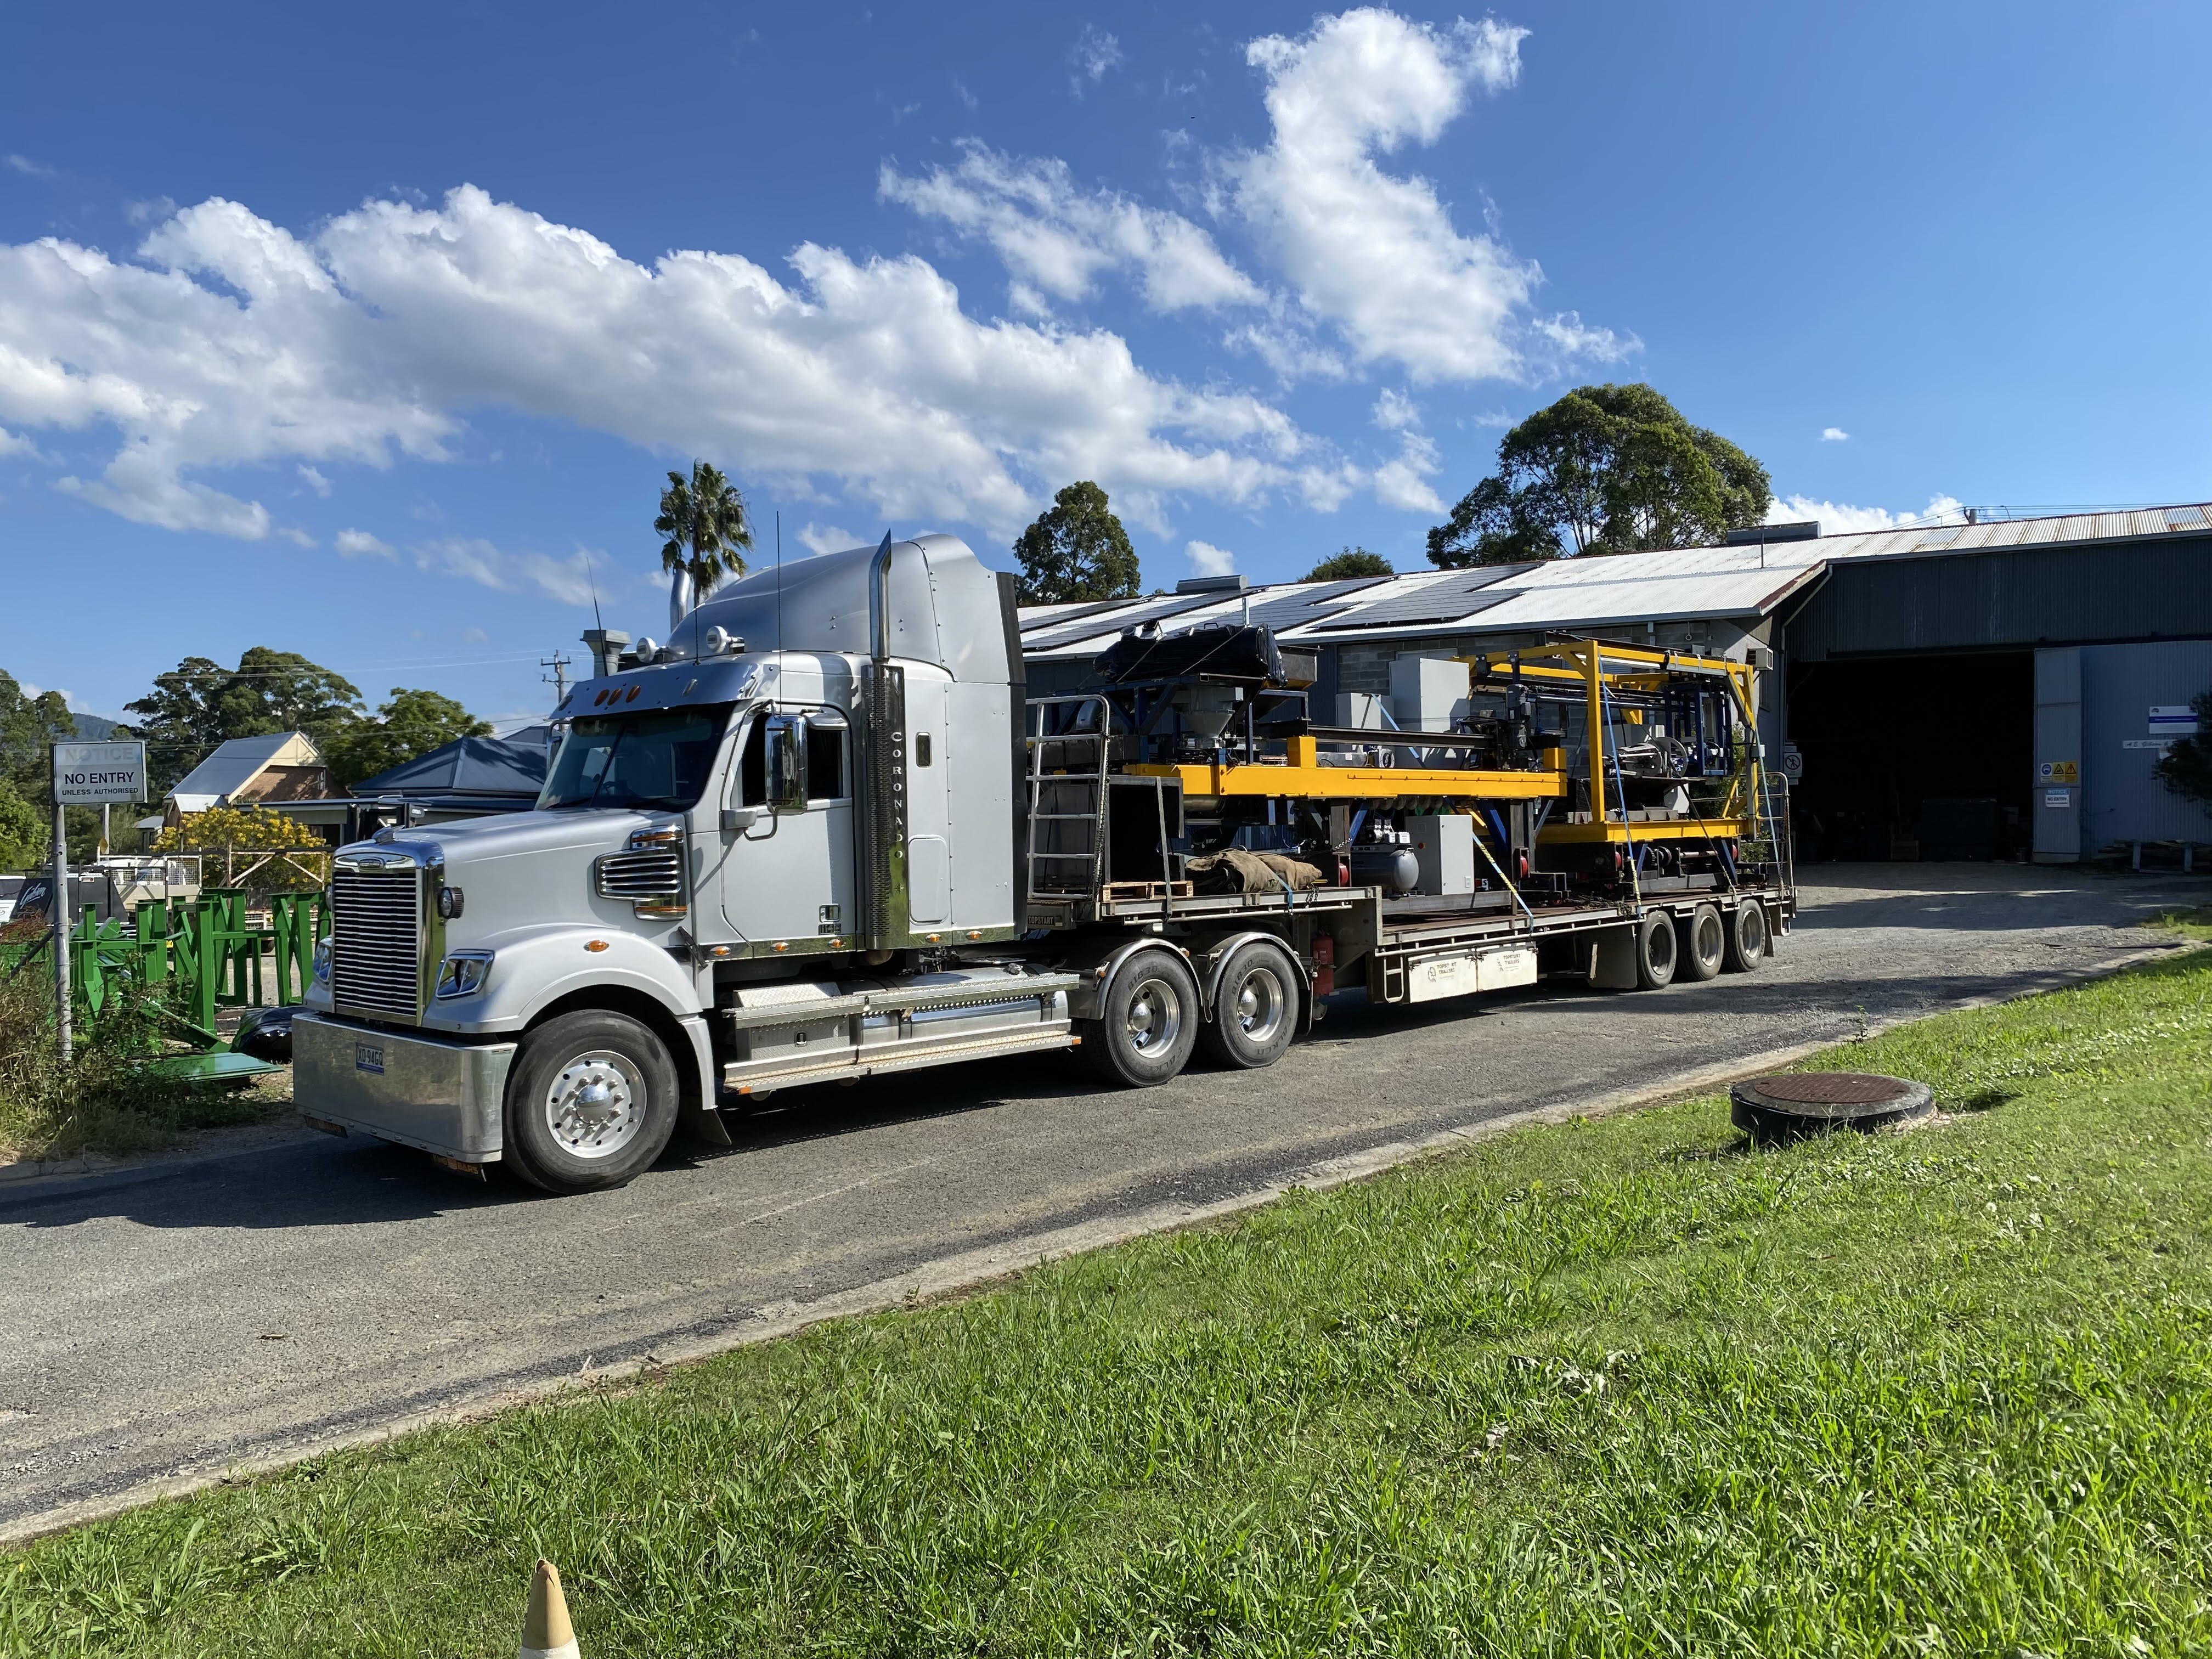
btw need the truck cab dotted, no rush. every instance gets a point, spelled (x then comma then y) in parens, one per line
(812, 784)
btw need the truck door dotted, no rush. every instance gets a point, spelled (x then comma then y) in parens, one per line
(789, 874)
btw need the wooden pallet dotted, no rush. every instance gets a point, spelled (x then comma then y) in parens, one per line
(1121, 892)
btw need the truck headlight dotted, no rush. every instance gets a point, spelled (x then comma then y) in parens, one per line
(322, 960)
(463, 973)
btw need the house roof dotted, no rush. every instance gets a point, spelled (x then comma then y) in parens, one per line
(237, 763)
(467, 766)
(1677, 584)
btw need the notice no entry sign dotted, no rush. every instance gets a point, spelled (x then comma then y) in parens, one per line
(100, 774)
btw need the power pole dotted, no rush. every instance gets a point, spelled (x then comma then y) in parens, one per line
(559, 665)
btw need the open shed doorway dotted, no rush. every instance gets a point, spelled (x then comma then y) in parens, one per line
(1914, 757)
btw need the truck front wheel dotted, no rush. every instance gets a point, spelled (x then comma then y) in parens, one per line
(1147, 1020)
(591, 1101)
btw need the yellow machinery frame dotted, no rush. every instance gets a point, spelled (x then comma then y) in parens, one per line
(1644, 670)
(1300, 776)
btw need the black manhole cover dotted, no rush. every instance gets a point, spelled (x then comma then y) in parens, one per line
(1789, 1105)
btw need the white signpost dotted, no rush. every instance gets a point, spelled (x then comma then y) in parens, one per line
(85, 774)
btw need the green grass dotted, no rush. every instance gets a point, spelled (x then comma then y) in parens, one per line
(100, 1101)
(1618, 1387)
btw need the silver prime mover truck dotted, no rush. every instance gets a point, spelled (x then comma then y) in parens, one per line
(820, 836)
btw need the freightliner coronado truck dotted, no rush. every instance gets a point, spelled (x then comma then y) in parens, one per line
(822, 835)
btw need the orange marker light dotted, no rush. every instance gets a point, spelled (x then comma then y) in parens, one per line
(595, 945)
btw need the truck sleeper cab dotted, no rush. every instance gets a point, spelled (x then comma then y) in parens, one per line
(799, 845)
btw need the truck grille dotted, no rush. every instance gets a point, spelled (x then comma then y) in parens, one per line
(651, 879)
(376, 943)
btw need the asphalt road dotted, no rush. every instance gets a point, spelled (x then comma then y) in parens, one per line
(180, 1318)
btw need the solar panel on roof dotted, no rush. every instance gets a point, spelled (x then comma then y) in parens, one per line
(1071, 613)
(1454, 605)
(1284, 607)
(1061, 631)
(2185, 518)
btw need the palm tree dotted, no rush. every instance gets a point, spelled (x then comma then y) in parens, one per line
(703, 518)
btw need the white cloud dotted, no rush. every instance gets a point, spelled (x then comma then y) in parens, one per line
(1396, 412)
(1404, 483)
(1291, 352)
(28, 168)
(13, 443)
(1374, 253)
(1837, 519)
(360, 545)
(1094, 52)
(1570, 338)
(1208, 560)
(315, 481)
(238, 344)
(827, 538)
(568, 580)
(1057, 237)
(1834, 435)
(297, 537)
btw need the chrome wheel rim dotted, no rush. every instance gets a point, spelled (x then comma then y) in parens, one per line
(1258, 1005)
(596, 1105)
(1155, 1017)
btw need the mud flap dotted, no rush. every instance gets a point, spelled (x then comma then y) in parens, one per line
(1612, 960)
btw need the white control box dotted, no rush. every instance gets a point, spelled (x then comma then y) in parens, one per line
(1444, 846)
(1428, 694)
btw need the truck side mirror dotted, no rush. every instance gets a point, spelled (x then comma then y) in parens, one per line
(787, 763)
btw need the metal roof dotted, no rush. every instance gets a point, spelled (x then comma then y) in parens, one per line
(237, 763)
(1592, 591)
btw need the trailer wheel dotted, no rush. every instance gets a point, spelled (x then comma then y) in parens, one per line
(1703, 943)
(591, 1101)
(1746, 937)
(1147, 1021)
(1656, 953)
(1255, 1011)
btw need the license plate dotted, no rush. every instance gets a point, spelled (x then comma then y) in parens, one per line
(367, 1058)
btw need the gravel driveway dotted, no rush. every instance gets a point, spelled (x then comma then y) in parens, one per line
(160, 1324)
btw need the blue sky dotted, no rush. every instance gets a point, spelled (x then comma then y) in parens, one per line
(361, 333)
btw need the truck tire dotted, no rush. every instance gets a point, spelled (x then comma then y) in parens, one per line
(1147, 1020)
(1703, 943)
(1746, 937)
(1255, 1007)
(591, 1101)
(1656, 952)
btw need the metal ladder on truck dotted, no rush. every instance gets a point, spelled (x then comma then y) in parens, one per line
(1067, 788)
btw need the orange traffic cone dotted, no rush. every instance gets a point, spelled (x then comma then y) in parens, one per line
(546, 1632)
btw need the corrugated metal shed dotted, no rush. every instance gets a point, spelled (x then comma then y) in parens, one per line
(2145, 586)
(1955, 601)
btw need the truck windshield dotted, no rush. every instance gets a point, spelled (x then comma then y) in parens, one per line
(657, 757)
